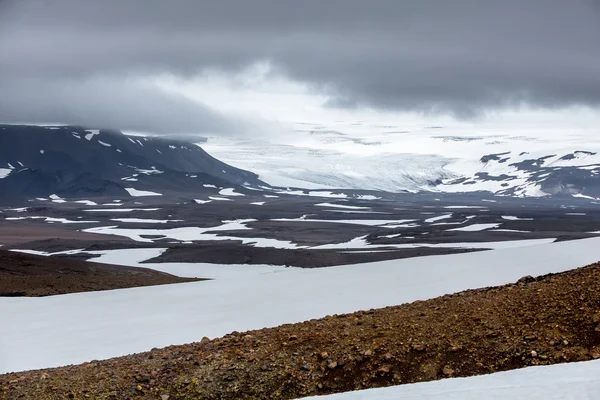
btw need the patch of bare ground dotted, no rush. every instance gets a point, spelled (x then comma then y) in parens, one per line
(548, 320)
(35, 276)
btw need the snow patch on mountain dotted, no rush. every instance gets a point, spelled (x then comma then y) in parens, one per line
(141, 193)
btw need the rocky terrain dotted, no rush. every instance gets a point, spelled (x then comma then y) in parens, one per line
(536, 321)
(269, 227)
(35, 276)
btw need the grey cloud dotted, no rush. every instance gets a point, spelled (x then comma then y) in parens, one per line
(107, 103)
(462, 56)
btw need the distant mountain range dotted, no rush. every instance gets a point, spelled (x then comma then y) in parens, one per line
(71, 161)
(76, 162)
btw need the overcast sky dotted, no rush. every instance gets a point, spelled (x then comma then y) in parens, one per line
(126, 63)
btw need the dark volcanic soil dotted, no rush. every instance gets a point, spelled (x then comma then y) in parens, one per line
(15, 234)
(34, 276)
(228, 254)
(552, 319)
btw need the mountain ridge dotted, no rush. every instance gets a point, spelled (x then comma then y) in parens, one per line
(70, 161)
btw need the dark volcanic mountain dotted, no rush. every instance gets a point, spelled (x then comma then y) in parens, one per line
(72, 161)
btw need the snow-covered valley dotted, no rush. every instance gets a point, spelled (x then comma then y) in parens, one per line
(81, 327)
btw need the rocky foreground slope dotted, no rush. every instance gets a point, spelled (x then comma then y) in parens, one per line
(548, 320)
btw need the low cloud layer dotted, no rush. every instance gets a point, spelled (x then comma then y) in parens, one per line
(461, 57)
(109, 103)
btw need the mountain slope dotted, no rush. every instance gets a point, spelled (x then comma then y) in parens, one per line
(73, 161)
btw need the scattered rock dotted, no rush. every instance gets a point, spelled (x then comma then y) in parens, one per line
(526, 279)
(332, 365)
(448, 371)
(384, 370)
(418, 347)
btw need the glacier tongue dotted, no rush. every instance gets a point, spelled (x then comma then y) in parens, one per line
(374, 157)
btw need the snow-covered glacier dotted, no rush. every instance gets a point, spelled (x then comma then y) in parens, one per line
(357, 155)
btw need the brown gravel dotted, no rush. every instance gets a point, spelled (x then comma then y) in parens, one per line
(552, 319)
(34, 276)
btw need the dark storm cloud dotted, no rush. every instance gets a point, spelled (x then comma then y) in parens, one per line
(461, 56)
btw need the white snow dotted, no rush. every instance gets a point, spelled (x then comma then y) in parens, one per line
(145, 220)
(230, 192)
(258, 203)
(407, 154)
(206, 185)
(357, 212)
(462, 207)
(87, 202)
(19, 210)
(81, 327)
(361, 243)
(333, 205)
(52, 220)
(438, 218)
(57, 199)
(219, 198)
(313, 193)
(475, 227)
(367, 197)
(513, 218)
(332, 195)
(120, 209)
(104, 144)
(201, 201)
(150, 171)
(141, 193)
(4, 172)
(271, 196)
(384, 223)
(582, 196)
(41, 151)
(92, 133)
(188, 234)
(573, 381)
